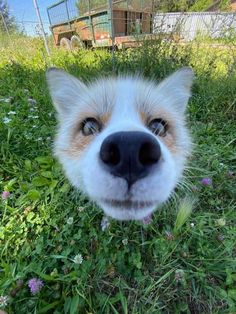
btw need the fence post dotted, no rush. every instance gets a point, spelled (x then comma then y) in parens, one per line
(41, 26)
(68, 16)
(5, 24)
(112, 35)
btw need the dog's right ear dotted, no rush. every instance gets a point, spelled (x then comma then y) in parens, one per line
(65, 90)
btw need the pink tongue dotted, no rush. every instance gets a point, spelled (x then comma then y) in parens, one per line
(147, 220)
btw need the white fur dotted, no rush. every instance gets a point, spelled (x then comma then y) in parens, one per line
(124, 97)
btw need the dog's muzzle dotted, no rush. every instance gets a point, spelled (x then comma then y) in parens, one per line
(130, 155)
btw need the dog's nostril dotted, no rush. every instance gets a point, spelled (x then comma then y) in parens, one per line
(110, 154)
(149, 153)
(130, 155)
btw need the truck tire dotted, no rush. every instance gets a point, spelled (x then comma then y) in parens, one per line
(77, 43)
(65, 43)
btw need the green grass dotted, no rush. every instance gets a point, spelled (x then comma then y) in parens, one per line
(180, 263)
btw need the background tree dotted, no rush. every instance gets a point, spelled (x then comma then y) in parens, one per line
(191, 5)
(9, 20)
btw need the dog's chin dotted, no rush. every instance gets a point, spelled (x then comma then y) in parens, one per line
(126, 209)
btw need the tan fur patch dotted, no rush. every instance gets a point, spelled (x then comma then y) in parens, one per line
(170, 138)
(143, 117)
(104, 118)
(79, 142)
(169, 141)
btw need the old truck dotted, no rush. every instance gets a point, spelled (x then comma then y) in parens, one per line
(100, 23)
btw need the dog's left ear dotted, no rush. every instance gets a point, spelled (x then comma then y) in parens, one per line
(65, 90)
(175, 90)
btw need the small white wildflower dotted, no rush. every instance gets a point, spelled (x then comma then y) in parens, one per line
(221, 222)
(80, 209)
(39, 139)
(105, 223)
(179, 275)
(4, 300)
(7, 100)
(11, 112)
(78, 259)
(6, 120)
(32, 101)
(125, 241)
(34, 126)
(192, 224)
(70, 220)
(35, 117)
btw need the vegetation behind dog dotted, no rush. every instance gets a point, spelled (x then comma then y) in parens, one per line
(56, 257)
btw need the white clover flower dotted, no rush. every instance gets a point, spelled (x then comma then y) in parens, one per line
(105, 223)
(80, 209)
(78, 259)
(70, 220)
(32, 101)
(179, 275)
(4, 300)
(6, 120)
(192, 224)
(125, 241)
(221, 222)
(7, 100)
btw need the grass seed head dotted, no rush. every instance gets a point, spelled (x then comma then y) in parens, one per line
(185, 210)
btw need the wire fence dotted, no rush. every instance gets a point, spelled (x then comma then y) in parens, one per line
(96, 23)
(125, 23)
(190, 25)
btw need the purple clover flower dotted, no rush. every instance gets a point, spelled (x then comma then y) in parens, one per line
(169, 236)
(194, 188)
(230, 174)
(5, 195)
(35, 285)
(206, 181)
(147, 220)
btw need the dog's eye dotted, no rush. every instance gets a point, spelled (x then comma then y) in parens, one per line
(158, 127)
(90, 126)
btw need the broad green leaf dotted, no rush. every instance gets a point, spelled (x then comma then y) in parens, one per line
(74, 304)
(33, 195)
(40, 181)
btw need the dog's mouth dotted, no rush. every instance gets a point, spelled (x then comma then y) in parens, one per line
(129, 204)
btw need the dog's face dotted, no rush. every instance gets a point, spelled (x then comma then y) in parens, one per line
(122, 141)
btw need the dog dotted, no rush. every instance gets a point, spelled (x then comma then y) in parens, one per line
(122, 141)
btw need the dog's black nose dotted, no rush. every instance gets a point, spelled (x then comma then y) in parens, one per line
(130, 155)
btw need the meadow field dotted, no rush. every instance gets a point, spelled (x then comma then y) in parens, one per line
(56, 253)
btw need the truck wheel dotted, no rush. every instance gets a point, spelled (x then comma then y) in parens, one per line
(76, 43)
(65, 43)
